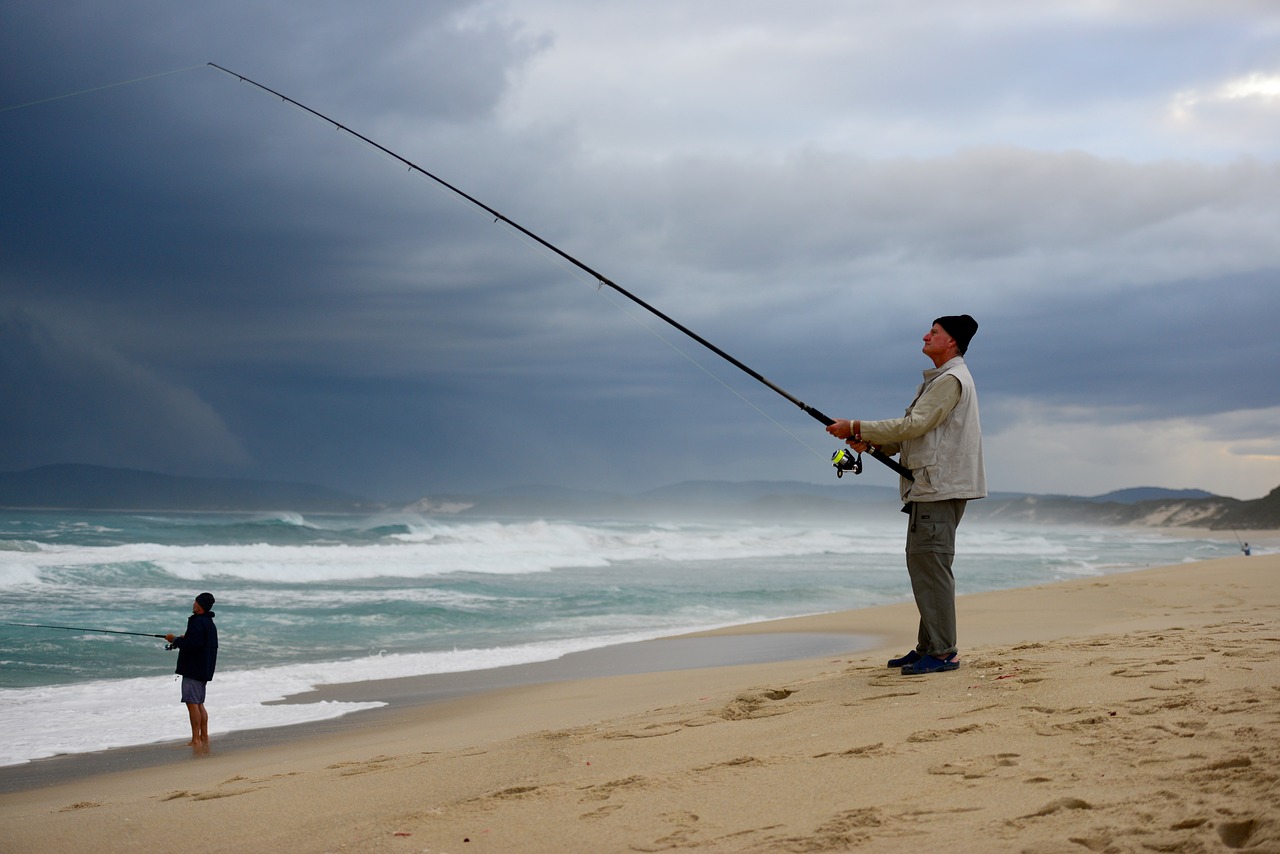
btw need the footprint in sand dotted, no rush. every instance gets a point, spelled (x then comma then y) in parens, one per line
(940, 734)
(877, 749)
(754, 704)
(605, 791)
(600, 812)
(977, 768)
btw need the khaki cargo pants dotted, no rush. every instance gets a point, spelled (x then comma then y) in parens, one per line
(931, 548)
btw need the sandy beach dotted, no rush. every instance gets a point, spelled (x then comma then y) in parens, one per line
(1131, 712)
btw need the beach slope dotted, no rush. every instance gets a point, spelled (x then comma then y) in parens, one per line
(1131, 712)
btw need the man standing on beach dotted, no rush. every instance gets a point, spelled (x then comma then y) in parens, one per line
(940, 440)
(197, 658)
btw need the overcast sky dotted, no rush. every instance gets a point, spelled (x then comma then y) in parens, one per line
(197, 278)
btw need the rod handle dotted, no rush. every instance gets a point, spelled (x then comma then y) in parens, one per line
(876, 453)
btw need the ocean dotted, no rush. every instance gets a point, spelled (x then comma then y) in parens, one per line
(306, 600)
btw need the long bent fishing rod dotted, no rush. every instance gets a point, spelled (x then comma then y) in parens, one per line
(79, 629)
(603, 280)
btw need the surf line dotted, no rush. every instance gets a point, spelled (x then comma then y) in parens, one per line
(841, 459)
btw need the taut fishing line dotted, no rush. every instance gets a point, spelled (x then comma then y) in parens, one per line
(843, 460)
(80, 92)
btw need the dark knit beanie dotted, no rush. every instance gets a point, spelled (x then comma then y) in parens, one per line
(205, 601)
(960, 327)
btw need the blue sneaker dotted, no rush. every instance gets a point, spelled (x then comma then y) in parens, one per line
(929, 664)
(910, 658)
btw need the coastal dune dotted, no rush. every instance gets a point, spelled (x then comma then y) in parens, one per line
(1129, 712)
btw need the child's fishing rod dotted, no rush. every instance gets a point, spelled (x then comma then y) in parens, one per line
(842, 459)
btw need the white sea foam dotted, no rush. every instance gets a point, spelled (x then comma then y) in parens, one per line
(48, 721)
(441, 549)
(15, 573)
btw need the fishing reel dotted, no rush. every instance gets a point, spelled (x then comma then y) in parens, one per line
(847, 459)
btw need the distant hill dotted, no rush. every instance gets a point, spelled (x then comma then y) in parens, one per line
(85, 487)
(1150, 493)
(1213, 512)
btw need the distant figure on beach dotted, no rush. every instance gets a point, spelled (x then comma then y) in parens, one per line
(1245, 548)
(940, 441)
(197, 657)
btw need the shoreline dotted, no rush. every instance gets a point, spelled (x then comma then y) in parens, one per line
(729, 648)
(788, 639)
(1133, 711)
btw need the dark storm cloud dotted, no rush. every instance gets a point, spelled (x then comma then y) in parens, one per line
(231, 286)
(68, 399)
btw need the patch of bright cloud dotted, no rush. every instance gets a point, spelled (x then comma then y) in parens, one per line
(1252, 87)
(1232, 453)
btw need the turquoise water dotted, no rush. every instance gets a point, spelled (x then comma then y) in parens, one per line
(306, 600)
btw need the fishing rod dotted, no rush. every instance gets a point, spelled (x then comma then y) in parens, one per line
(79, 629)
(842, 459)
(1244, 547)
